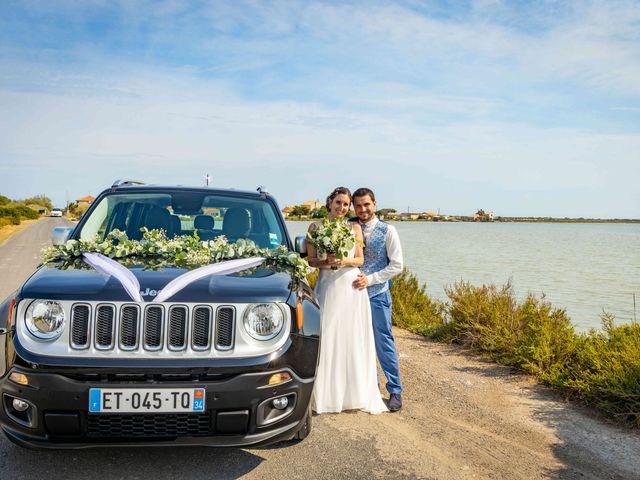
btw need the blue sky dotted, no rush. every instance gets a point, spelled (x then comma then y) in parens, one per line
(522, 108)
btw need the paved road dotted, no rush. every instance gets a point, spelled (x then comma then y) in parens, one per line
(463, 418)
(21, 252)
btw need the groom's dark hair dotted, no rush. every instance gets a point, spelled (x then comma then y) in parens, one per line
(363, 192)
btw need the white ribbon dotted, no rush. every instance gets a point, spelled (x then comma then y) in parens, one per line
(222, 268)
(112, 268)
(130, 283)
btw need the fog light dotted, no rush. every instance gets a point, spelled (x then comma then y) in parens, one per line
(19, 378)
(280, 403)
(278, 378)
(20, 405)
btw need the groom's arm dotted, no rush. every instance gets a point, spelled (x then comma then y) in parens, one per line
(394, 254)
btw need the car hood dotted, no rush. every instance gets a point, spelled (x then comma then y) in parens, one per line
(255, 285)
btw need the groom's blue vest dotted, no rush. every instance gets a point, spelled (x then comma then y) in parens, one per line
(375, 257)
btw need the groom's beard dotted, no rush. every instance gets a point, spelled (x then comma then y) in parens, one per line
(366, 219)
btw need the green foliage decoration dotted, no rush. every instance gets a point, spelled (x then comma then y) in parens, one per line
(183, 250)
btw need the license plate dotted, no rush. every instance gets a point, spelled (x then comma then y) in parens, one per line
(151, 400)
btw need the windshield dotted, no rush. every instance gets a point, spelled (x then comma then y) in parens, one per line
(183, 213)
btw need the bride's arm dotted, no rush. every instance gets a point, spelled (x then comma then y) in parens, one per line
(358, 257)
(312, 254)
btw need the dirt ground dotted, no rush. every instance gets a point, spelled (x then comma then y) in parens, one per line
(469, 418)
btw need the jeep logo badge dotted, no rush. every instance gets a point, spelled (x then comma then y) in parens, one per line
(149, 293)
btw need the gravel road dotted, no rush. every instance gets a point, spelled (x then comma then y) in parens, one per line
(463, 418)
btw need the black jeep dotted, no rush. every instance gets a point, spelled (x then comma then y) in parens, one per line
(229, 360)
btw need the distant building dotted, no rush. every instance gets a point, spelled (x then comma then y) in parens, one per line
(286, 211)
(85, 201)
(482, 216)
(429, 216)
(312, 204)
(387, 213)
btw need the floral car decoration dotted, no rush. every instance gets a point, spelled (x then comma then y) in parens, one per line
(183, 250)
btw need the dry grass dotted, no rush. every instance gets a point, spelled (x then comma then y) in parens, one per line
(8, 231)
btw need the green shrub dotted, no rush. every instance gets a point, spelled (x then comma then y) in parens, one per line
(546, 340)
(413, 309)
(40, 200)
(601, 368)
(607, 371)
(24, 211)
(15, 212)
(483, 319)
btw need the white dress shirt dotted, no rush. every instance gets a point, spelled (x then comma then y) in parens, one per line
(394, 252)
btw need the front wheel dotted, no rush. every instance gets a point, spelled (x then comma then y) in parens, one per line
(305, 429)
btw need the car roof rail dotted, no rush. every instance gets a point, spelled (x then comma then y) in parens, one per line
(125, 183)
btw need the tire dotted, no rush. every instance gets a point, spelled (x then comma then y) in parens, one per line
(305, 429)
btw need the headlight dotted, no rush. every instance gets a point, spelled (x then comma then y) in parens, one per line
(263, 321)
(45, 319)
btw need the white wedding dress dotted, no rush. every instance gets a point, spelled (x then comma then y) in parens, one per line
(347, 372)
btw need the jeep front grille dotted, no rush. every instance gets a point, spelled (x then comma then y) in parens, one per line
(80, 326)
(105, 318)
(177, 328)
(224, 328)
(152, 327)
(201, 328)
(129, 327)
(126, 331)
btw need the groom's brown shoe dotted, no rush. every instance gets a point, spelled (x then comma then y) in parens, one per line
(395, 402)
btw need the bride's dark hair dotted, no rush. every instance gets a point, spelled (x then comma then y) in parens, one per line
(337, 191)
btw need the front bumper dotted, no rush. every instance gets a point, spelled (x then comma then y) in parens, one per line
(235, 408)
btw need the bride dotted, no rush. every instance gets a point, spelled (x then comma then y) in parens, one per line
(347, 375)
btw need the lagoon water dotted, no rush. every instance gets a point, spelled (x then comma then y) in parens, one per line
(583, 268)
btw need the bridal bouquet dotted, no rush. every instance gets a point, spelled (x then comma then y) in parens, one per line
(334, 237)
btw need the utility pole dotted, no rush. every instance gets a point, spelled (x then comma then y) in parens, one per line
(207, 178)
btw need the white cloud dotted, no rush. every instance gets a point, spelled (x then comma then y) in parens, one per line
(173, 128)
(317, 93)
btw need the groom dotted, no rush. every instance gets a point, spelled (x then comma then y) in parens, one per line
(382, 260)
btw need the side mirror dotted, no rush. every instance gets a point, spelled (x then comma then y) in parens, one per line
(60, 235)
(301, 245)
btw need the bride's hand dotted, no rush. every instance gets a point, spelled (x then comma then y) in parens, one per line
(333, 262)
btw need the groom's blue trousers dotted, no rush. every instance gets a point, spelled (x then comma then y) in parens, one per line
(385, 345)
